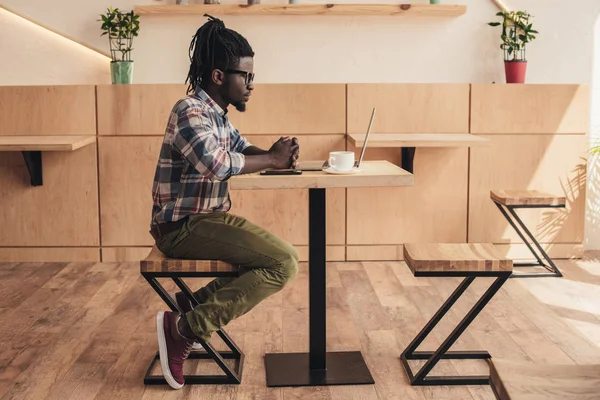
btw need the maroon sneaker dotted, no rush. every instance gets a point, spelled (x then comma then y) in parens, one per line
(173, 348)
(183, 302)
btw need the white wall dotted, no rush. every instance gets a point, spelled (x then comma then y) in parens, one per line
(592, 226)
(30, 55)
(332, 49)
(315, 49)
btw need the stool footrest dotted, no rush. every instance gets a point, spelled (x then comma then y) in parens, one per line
(450, 355)
(455, 380)
(201, 379)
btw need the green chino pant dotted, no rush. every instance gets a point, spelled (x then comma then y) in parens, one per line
(267, 264)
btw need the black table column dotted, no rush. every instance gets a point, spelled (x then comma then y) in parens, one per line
(318, 367)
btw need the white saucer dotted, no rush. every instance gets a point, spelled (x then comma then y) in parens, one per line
(331, 170)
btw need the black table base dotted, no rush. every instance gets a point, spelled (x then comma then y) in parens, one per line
(343, 368)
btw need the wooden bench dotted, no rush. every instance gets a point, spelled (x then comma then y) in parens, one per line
(509, 200)
(468, 260)
(512, 381)
(157, 265)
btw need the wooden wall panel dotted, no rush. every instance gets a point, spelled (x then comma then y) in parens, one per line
(519, 251)
(285, 212)
(375, 253)
(136, 109)
(409, 108)
(127, 166)
(333, 253)
(124, 254)
(47, 110)
(62, 212)
(550, 163)
(532, 109)
(133, 254)
(272, 109)
(49, 254)
(434, 209)
(293, 109)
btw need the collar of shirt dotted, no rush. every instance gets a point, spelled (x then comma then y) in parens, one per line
(201, 94)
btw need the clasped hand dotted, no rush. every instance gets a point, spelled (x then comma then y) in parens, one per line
(285, 152)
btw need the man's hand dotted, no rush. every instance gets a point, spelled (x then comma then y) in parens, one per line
(284, 152)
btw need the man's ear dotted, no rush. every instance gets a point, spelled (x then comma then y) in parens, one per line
(218, 77)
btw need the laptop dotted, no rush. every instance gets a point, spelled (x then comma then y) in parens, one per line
(318, 165)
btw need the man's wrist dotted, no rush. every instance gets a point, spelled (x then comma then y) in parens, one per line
(271, 158)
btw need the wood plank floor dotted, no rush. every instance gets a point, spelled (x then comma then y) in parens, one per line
(86, 331)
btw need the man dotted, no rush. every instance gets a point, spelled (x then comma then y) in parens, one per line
(190, 217)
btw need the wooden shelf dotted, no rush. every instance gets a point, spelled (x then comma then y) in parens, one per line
(413, 10)
(32, 147)
(44, 143)
(410, 141)
(418, 140)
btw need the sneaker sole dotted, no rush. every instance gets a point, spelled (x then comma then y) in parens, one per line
(162, 350)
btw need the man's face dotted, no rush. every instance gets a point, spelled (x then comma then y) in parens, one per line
(238, 85)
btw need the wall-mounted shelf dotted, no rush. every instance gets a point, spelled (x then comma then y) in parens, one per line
(414, 10)
(32, 147)
(418, 140)
(410, 141)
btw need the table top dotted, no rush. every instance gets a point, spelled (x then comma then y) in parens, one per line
(418, 140)
(44, 143)
(372, 174)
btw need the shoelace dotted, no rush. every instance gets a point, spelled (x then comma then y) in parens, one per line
(188, 349)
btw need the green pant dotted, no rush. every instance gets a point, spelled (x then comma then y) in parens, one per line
(267, 264)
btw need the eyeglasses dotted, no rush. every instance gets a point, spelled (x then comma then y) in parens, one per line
(248, 76)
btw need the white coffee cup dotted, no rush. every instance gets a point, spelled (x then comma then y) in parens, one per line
(341, 160)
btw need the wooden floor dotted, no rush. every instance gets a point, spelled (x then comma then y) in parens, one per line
(86, 331)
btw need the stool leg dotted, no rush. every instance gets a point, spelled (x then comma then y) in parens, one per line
(164, 295)
(553, 268)
(232, 376)
(186, 290)
(554, 271)
(412, 347)
(190, 295)
(421, 378)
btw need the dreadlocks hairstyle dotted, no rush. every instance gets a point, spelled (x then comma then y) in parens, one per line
(214, 46)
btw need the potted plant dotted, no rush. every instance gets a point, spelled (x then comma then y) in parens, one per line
(517, 32)
(121, 27)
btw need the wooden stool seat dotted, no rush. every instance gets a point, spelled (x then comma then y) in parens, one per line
(526, 197)
(512, 381)
(454, 257)
(156, 261)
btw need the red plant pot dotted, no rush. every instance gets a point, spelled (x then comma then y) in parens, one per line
(515, 71)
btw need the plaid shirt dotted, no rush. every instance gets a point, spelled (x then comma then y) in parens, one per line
(200, 152)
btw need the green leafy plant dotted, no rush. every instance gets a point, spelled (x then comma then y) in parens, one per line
(517, 32)
(121, 27)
